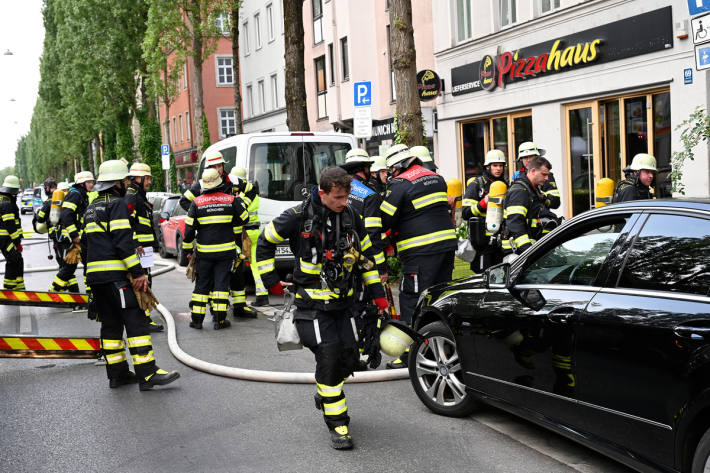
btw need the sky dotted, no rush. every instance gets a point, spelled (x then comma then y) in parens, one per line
(22, 32)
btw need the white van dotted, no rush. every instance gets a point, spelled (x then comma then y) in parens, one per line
(283, 164)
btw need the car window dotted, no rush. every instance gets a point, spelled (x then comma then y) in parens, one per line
(178, 210)
(671, 253)
(577, 259)
(169, 205)
(229, 155)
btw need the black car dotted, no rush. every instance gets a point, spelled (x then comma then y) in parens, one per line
(600, 332)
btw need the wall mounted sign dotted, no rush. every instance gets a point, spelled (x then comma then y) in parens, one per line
(428, 84)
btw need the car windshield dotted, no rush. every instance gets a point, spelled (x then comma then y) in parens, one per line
(169, 205)
(284, 170)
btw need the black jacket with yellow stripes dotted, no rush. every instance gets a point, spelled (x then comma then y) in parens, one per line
(311, 246)
(10, 228)
(196, 191)
(631, 189)
(523, 210)
(141, 216)
(475, 192)
(71, 218)
(111, 250)
(366, 203)
(43, 217)
(214, 225)
(416, 209)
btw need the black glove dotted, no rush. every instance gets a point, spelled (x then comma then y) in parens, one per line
(373, 323)
(93, 311)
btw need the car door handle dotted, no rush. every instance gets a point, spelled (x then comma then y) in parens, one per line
(561, 315)
(689, 331)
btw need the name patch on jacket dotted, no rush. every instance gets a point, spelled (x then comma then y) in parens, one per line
(212, 199)
(415, 172)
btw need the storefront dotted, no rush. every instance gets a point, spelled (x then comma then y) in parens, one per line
(186, 164)
(592, 93)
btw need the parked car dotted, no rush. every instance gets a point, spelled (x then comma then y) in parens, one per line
(173, 233)
(27, 200)
(162, 203)
(600, 332)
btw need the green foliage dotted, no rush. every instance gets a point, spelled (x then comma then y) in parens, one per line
(6, 171)
(149, 143)
(462, 232)
(394, 267)
(206, 132)
(696, 128)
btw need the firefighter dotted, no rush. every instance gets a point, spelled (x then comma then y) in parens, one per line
(71, 221)
(11, 234)
(526, 214)
(322, 232)
(43, 216)
(111, 259)
(475, 204)
(378, 175)
(214, 222)
(638, 181)
(416, 210)
(141, 213)
(249, 195)
(213, 159)
(526, 151)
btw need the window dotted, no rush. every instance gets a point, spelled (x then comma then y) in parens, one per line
(227, 122)
(463, 20)
(270, 21)
(184, 75)
(257, 30)
(174, 131)
(274, 92)
(344, 53)
(187, 126)
(331, 63)
(182, 130)
(283, 170)
(222, 23)
(508, 12)
(245, 38)
(225, 71)
(577, 260)
(262, 97)
(321, 88)
(250, 102)
(671, 253)
(317, 21)
(549, 5)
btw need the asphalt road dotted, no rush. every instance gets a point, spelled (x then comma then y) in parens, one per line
(60, 415)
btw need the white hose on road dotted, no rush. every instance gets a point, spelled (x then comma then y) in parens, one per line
(261, 375)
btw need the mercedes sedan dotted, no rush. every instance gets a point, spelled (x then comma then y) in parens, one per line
(600, 332)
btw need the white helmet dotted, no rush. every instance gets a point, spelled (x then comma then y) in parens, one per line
(63, 186)
(529, 148)
(213, 157)
(356, 159)
(139, 170)
(396, 156)
(494, 156)
(643, 161)
(210, 179)
(84, 176)
(378, 163)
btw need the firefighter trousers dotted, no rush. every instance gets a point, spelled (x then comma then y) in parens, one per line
(212, 283)
(14, 269)
(118, 310)
(332, 337)
(237, 285)
(420, 273)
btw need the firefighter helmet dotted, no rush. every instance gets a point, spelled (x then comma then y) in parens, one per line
(210, 179)
(109, 171)
(84, 176)
(356, 159)
(393, 340)
(50, 182)
(378, 163)
(63, 186)
(11, 185)
(139, 170)
(239, 172)
(494, 156)
(212, 158)
(529, 148)
(397, 155)
(422, 152)
(643, 161)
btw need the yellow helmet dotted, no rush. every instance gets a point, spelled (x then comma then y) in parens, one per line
(643, 161)
(210, 179)
(394, 341)
(139, 170)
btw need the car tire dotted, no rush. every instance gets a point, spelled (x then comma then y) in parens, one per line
(162, 251)
(439, 382)
(701, 458)
(181, 255)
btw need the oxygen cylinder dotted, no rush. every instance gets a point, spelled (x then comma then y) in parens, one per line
(494, 214)
(604, 191)
(55, 209)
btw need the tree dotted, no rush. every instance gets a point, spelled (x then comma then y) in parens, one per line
(296, 106)
(404, 61)
(234, 21)
(696, 128)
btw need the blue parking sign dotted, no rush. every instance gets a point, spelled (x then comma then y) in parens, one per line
(687, 76)
(696, 7)
(362, 92)
(165, 150)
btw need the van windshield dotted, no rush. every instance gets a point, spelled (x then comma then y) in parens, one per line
(283, 170)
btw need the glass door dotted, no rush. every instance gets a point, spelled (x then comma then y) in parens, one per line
(611, 140)
(580, 145)
(474, 145)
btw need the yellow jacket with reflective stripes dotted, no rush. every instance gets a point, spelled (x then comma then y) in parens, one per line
(249, 193)
(141, 216)
(416, 209)
(111, 251)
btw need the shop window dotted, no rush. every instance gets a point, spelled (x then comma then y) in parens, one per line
(662, 141)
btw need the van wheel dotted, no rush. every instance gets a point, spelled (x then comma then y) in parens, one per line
(436, 374)
(181, 255)
(701, 458)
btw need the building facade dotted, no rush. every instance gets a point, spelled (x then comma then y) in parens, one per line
(347, 41)
(593, 82)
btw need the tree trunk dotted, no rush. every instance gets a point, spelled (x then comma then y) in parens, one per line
(195, 19)
(296, 106)
(234, 17)
(404, 61)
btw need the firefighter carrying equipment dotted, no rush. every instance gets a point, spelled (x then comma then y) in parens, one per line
(74, 254)
(454, 189)
(11, 237)
(604, 192)
(527, 217)
(494, 215)
(141, 214)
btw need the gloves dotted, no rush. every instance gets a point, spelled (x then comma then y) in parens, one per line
(371, 337)
(190, 271)
(146, 299)
(73, 255)
(277, 289)
(19, 248)
(381, 303)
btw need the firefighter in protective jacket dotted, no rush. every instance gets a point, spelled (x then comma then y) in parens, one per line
(527, 217)
(11, 234)
(549, 190)
(42, 219)
(213, 230)
(638, 182)
(71, 221)
(141, 213)
(213, 159)
(111, 261)
(326, 238)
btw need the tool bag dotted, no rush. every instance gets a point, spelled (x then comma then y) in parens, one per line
(286, 334)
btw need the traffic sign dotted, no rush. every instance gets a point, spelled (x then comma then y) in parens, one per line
(362, 122)
(687, 76)
(362, 92)
(702, 57)
(695, 7)
(700, 28)
(165, 152)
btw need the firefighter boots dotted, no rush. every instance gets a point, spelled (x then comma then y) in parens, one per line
(159, 378)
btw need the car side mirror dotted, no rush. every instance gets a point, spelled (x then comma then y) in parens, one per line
(165, 215)
(498, 276)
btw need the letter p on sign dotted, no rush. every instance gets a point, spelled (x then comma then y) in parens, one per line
(363, 94)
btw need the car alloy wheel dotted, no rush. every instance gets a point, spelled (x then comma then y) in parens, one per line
(436, 374)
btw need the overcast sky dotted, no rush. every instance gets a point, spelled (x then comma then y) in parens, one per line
(22, 32)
